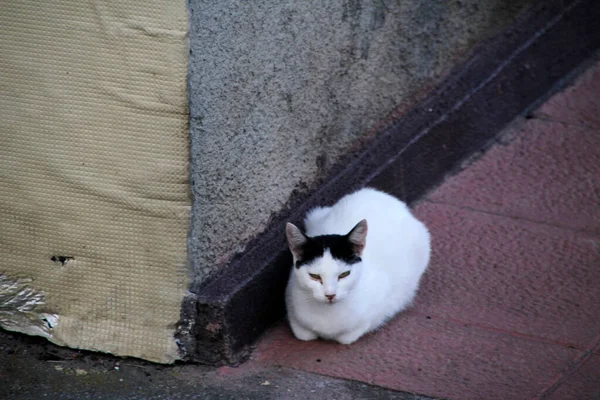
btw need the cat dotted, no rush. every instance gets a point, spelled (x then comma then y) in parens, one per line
(358, 264)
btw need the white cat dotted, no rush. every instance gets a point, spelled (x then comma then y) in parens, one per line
(358, 265)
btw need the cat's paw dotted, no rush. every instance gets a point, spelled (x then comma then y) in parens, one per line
(350, 337)
(302, 333)
(347, 339)
(306, 335)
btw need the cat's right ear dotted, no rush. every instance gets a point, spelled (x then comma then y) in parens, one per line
(296, 240)
(358, 237)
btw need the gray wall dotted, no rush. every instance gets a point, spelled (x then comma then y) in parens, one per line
(281, 89)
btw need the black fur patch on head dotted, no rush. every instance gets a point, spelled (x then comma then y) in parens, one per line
(339, 246)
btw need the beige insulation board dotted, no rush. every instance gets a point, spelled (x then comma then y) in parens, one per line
(94, 195)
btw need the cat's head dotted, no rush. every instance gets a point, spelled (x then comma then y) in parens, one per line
(330, 265)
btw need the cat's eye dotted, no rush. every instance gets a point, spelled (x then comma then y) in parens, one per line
(343, 275)
(315, 277)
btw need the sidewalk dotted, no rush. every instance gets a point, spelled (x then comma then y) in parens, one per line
(509, 308)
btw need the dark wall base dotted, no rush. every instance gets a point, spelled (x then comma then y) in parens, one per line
(504, 78)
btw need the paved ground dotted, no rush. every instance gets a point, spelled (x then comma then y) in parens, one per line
(509, 309)
(31, 368)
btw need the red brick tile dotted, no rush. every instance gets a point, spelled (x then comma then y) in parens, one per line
(427, 356)
(578, 104)
(515, 276)
(550, 173)
(583, 384)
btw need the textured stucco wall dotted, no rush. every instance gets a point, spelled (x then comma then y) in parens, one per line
(281, 89)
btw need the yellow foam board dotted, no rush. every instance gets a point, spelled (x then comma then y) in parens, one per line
(94, 194)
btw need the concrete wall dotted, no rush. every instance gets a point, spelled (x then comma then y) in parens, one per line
(281, 89)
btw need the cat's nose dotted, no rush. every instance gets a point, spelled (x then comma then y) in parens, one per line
(330, 296)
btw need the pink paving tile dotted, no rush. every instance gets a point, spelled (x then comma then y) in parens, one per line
(514, 276)
(578, 104)
(583, 384)
(428, 356)
(549, 173)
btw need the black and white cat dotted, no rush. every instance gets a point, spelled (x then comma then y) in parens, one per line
(359, 263)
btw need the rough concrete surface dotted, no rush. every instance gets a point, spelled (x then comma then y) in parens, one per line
(280, 90)
(34, 369)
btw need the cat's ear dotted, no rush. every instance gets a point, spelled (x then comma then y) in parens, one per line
(358, 237)
(296, 240)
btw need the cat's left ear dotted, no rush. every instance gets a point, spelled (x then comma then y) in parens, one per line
(358, 237)
(296, 240)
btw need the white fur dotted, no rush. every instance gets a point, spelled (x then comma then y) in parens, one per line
(383, 284)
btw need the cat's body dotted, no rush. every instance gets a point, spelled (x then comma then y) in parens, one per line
(358, 265)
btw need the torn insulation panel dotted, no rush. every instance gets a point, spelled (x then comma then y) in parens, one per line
(21, 308)
(94, 194)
